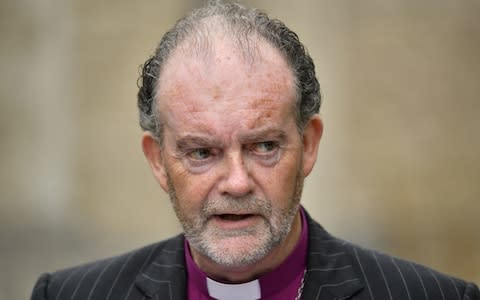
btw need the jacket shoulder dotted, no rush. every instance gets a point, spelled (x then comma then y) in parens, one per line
(381, 276)
(388, 276)
(110, 278)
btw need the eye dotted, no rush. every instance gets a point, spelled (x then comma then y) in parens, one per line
(267, 153)
(200, 154)
(265, 147)
(199, 160)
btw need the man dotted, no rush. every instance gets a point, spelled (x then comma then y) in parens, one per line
(229, 104)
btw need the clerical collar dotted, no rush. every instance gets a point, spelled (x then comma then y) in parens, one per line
(249, 290)
(286, 278)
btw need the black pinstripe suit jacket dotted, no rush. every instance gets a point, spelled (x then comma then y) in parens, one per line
(336, 270)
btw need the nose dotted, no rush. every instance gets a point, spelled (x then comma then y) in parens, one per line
(236, 181)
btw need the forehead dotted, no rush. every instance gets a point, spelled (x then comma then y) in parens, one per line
(225, 81)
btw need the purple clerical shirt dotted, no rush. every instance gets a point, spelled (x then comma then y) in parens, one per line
(281, 283)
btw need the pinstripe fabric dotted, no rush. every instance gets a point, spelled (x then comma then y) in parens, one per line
(341, 270)
(153, 272)
(336, 270)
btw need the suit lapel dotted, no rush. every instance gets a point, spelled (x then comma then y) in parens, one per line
(165, 275)
(330, 272)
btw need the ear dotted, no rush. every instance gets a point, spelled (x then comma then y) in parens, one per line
(153, 153)
(311, 139)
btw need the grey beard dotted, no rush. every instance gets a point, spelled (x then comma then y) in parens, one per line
(272, 231)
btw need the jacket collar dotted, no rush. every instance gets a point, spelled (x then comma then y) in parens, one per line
(165, 274)
(330, 270)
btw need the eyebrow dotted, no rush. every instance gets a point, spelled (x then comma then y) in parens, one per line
(263, 134)
(189, 141)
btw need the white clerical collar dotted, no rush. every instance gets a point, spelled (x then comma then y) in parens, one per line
(242, 291)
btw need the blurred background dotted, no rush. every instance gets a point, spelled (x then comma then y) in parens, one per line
(398, 168)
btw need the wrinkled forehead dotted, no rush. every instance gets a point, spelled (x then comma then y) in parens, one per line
(225, 92)
(222, 65)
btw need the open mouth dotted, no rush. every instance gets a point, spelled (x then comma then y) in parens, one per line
(233, 217)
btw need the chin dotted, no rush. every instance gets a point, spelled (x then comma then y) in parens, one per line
(237, 251)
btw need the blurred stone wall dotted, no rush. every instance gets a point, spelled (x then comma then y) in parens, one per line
(398, 167)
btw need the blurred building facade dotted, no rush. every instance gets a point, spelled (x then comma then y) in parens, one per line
(398, 167)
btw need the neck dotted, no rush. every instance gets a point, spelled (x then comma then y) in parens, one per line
(250, 272)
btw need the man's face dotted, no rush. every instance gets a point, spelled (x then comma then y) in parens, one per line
(232, 158)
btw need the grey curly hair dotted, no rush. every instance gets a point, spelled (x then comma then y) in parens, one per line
(243, 24)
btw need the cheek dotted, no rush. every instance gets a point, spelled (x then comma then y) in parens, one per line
(279, 183)
(191, 189)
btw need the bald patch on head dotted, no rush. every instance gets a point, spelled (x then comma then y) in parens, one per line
(211, 31)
